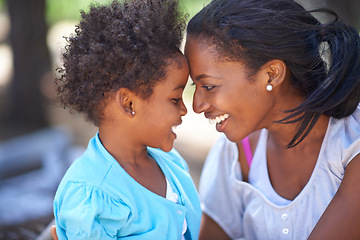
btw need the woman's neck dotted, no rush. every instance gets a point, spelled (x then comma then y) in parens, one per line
(290, 169)
(282, 134)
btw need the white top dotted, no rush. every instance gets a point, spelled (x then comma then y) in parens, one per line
(172, 196)
(254, 210)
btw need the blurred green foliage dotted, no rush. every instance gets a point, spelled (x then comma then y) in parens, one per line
(193, 6)
(58, 10)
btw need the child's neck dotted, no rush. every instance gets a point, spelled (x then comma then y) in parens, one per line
(118, 143)
(134, 159)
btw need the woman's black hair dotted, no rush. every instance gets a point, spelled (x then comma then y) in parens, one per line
(256, 31)
(122, 45)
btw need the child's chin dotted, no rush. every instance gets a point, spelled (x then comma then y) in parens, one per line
(167, 148)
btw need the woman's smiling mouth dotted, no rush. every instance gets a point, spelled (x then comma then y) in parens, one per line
(219, 119)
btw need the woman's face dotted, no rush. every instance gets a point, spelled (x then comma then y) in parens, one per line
(226, 95)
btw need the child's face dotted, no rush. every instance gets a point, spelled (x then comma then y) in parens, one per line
(158, 115)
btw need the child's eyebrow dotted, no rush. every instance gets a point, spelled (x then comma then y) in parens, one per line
(182, 87)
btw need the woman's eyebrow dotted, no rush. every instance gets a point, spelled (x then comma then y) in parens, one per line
(202, 76)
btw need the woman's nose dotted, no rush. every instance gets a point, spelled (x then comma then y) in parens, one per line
(199, 102)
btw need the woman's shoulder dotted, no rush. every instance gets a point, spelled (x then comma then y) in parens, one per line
(345, 130)
(343, 140)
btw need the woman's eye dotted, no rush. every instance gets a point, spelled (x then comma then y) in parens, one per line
(208, 88)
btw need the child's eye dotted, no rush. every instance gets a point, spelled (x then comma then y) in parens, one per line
(208, 88)
(176, 100)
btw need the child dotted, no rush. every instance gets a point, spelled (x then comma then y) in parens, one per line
(124, 70)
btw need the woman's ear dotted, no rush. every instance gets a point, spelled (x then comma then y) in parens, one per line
(125, 101)
(276, 71)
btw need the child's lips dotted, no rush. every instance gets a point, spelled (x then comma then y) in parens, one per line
(173, 128)
(177, 123)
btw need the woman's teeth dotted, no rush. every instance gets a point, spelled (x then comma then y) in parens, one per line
(219, 119)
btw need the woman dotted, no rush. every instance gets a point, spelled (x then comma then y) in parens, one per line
(261, 70)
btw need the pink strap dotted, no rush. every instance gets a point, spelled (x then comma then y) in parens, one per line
(247, 150)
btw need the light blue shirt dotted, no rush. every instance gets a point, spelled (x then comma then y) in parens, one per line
(98, 199)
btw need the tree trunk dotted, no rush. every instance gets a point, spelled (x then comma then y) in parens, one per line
(26, 103)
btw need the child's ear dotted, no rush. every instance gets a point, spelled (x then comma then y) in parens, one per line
(124, 101)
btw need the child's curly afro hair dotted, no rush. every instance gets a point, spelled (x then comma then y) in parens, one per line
(123, 45)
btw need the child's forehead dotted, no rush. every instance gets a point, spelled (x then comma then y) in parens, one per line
(177, 73)
(177, 60)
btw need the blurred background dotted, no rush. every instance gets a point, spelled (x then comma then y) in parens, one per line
(38, 139)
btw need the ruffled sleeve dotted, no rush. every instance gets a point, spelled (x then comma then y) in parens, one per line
(86, 212)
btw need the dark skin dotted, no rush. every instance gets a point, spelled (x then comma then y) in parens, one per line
(288, 178)
(224, 89)
(53, 232)
(137, 163)
(134, 123)
(131, 124)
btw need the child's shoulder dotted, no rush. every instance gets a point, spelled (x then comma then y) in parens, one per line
(88, 169)
(94, 168)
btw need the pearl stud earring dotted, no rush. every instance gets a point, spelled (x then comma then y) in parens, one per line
(269, 87)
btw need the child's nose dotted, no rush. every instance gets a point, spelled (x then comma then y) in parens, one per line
(183, 109)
